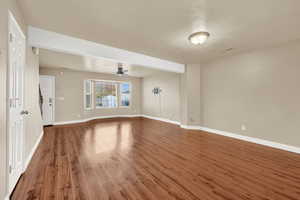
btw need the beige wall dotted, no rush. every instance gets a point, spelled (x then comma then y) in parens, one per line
(183, 99)
(167, 105)
(69, 85)
(33, 121)
(69, 95)
(259, 89)
(3, 69)
(180, 97)
(190, 95)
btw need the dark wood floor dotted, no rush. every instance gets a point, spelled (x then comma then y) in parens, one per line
(146, 159)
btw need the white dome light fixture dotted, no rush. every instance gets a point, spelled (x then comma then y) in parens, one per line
(198, 37)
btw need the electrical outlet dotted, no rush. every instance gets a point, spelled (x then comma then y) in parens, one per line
(243, 127)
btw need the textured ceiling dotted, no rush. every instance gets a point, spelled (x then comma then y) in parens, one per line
(82, 63)
(160, 28)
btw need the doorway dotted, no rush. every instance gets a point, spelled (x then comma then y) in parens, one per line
(47, 88)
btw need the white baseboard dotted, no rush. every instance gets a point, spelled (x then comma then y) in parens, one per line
(161, 119)
(115, 116)
(246, 138)
(33, 150)
(190, 127)
(6, 198)
(92, 118)
(209, 130)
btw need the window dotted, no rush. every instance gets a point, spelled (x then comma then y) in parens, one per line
(124, 94)
(88, 94)
(106, 94)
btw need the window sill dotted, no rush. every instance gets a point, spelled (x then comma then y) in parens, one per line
(106, 107)
(113, 107)
(124, 106)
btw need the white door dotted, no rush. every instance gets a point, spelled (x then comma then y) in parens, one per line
(16, 113)
(47, 86)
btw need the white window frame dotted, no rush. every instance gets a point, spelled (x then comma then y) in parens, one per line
(117, 94)
(93, 96)
(120, 94)
(86, 93)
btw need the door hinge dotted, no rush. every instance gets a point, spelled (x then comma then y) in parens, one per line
(10, 169)
(11, 37)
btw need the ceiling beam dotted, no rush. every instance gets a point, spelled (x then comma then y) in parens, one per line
(58, 42)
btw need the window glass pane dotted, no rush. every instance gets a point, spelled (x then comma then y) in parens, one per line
(88, 98)
(88, 87)
(125, 94)
(88, 101)
(106, 94)
(125, 87)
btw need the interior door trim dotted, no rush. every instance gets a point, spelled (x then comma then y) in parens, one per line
(53, 94)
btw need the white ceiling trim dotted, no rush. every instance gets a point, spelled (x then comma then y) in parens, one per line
(58, 42)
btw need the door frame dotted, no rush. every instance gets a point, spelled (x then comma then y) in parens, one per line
(11, 19)
(53, 94)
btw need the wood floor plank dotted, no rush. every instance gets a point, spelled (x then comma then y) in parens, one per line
(143, 159)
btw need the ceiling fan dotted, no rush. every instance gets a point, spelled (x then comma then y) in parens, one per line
(121, 71)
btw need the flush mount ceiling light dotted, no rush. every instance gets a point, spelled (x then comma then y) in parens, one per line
(198, 37)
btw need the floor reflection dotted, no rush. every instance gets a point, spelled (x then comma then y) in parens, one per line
(108, 138)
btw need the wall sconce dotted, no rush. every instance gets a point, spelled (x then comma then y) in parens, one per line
(156, 91)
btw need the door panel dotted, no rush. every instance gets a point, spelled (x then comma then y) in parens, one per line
(47, 85)
(17, 44)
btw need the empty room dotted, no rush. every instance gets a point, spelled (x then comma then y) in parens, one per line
(150, 100)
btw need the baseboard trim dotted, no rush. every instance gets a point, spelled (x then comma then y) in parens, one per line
(246, 138)
(33, 150)
(161, 119)
(190, 127)
(208, 130)
(116, 116)
(6, 198)
(93, 118)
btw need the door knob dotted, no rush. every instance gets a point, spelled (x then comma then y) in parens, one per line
(24, 112)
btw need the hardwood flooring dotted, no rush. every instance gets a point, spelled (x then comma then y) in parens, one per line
(145, 159)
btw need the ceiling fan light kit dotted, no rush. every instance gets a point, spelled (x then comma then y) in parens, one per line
(121, 71)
